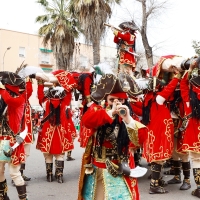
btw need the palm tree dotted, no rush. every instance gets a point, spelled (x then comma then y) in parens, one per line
(92, 14)
(59, 29)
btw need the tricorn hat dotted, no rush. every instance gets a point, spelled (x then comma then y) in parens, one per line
(111, 84)
(154, 83)
(195, 81)
(130, 25)
(55, 93)
(11, 78)
(195, 77)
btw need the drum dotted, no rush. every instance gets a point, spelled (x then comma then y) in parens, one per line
(4, 146)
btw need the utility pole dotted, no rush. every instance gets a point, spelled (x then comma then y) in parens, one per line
(4, 56)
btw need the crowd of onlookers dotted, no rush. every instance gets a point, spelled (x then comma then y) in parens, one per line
(76, 118)
(37, 117)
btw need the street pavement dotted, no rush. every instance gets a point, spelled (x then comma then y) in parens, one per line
(39, 189)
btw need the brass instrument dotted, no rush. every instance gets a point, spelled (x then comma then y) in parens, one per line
(122, 111)
(109, 25)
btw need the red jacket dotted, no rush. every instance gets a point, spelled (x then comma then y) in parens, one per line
(125, 56)
(15, 116)
(56, 139)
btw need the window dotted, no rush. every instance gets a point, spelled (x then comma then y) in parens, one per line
(21, 51)
(45, 58)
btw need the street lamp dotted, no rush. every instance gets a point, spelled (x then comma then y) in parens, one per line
(4, 56)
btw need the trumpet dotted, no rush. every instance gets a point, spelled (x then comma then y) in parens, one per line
(109, 25)
(122, 111)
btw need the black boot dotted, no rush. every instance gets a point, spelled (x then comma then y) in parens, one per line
(22, 192)
(168, 163)
(49, 170)
(69, 156)
(149, 177)
(196, 172)
(186, 172)
(161, 182)
(22, 168)
(171, 170)
(177, 171)
(155, 188)
(3, 190)
(59, 170)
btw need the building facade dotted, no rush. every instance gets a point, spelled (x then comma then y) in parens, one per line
(17, 48)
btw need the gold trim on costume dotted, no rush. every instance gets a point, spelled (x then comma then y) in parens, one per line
(133, 136)
(133, 133)
(133, 183)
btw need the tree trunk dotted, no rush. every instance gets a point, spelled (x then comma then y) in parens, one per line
(148, 51)
(96, 52)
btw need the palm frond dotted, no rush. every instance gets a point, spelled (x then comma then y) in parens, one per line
(59, 29)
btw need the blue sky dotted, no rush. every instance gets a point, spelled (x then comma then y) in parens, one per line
(171, 31)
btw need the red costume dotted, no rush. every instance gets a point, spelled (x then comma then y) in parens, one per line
(159, 144)
(84, 82)
(126, 41)
(191, 141)
(190, 93)
(136, 106)
(13, 125)
(180, 159)
(15, 113)
(158, 147)
(58, 130)
(109, 144)
(28, 115)
(157, 68)
(91, 120)
(52, 135)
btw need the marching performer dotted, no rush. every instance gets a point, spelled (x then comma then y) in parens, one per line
(158, 146)
(125, 40)
(75, 119)
(107, 159)
(55, 137)
(191, 143)
(136, 105)
(28, 140)
(13, 130)
(84, 82)
(180, 159)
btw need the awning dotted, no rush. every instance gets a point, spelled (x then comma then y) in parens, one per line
(47, 69)
(46, 50)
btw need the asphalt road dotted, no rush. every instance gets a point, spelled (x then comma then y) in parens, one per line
(39, 189)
